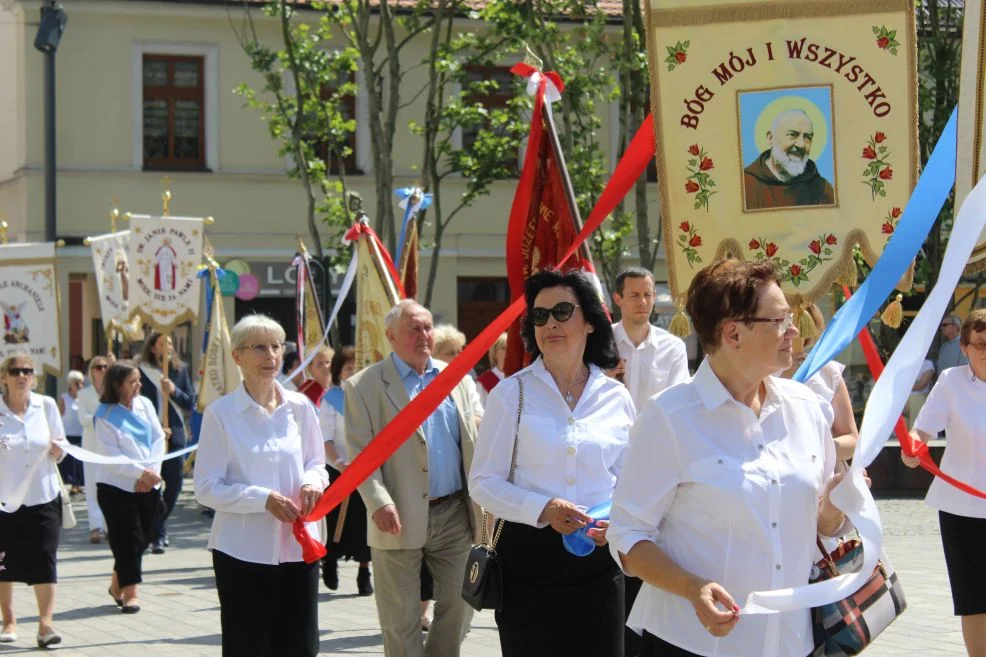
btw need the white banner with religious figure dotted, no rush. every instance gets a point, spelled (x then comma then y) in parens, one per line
(164, 258)
(109, 260)
(29, 304)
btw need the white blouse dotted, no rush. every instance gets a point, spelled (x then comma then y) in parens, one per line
(659, 362)
(957, 404)
(244, 454)
(110, 441)
(573, 455)
(333, 428)
(88, 403)
(825, 382)
(24, 445)
(730, 497)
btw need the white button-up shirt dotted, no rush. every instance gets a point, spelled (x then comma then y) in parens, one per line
(244, 454)
(730, 497)
(957, 404)
(575, 455)
(659, 362)
(24, 445)
(113, 442)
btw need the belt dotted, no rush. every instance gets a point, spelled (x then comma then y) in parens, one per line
(434, 501)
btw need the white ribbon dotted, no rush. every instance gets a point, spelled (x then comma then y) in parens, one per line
(886, 401)
(551, 93)
(347, 283)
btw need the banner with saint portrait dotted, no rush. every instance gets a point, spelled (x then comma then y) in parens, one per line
(785, 129)
(30, 313)
(109, 261)
(164, 256)
(970, 161)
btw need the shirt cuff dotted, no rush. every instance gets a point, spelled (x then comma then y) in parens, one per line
(256, 498)
(315, 479)
(622, 544)
(531, 509)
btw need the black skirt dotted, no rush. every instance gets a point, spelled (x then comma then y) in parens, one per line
(962, 538)
(555, 603)
(352, 542)
(29, 543)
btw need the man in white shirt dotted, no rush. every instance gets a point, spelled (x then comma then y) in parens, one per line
(651, 360)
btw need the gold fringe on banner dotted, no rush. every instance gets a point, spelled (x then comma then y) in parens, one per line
(893, 314)
(806, 325)
(680, 326)
(849, 276)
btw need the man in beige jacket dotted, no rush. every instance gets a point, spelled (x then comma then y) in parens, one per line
(417, 501)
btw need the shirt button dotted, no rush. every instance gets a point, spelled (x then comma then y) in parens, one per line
(778, 567)
(774, 525)
(759, 446)
(571, 421)
(424, 469)
(571, 451)
(773, 482)
(570, 481)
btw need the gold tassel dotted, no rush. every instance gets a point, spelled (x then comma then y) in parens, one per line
(806, 325)
(893, 314)
(680, 325)
(849, 276)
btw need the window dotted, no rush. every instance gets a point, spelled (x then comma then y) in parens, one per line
(492, 99)
(174, 112)
(347, 105)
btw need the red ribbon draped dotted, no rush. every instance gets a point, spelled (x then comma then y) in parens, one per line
(628, 171)
(908, 445)
(361, 228)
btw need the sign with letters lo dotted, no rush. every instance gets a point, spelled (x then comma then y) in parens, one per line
(164, 255)
(30, 317)
(786, 130)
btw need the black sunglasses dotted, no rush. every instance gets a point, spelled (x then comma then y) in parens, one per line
(562, 312)
(15, 371)
(99, 367)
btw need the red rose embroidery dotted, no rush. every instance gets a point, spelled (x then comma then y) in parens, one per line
(685, 226)
(830, 240)
(706, 164)
(887, 228)
(795, 270)
(869, 153)
(680, 57)
(815, 247)
(691, 187)
(694, 149)
(887, 174)
(754, 245)
(696, 240)
(895, 213)
(883, 42)
(770, 249)
(879, 137)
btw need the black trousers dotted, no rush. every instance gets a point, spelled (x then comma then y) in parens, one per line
(631, 640)
(267, 611)
(652, 646)
(173, 476)
(129, 519)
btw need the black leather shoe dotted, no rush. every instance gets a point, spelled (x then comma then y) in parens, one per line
(330, 574)
(363, 583)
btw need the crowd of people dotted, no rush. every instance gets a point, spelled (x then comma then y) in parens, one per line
(711, 485)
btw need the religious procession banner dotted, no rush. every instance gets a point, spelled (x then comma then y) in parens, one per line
(110, 263)
(29, 304)
(164, 255)
(970, 162)
(377, 291)
(785, 129)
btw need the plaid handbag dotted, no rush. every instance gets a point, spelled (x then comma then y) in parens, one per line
(846, 627)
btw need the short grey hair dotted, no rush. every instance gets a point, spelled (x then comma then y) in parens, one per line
(777, 119)
(952, 319)
(252, 325)
(75, 376)
(400, 308)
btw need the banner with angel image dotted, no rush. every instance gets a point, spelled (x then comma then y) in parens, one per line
(786, 130)
(29, 304)
(164, 258)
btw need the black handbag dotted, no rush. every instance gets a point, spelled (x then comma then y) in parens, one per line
(482, 586)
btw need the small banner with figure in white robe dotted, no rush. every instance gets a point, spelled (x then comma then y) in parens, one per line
(109, 260)
(30, 318)
(164, 258)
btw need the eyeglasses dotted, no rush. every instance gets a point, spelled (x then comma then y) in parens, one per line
(264, 349)
(16, 371)
(101, 366)
(561, 312)
(782, 323)
(978, 346)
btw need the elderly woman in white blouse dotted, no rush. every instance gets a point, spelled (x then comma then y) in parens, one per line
(31, 514)
(129, 493)
(956, 405)
(726, 481)
(574, 427)
(261, 466)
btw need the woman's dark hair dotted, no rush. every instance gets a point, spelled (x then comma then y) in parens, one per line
(291, 361)
(726, 289)
(600, 347)
(342, 356)
(115, 376)
(147, 353)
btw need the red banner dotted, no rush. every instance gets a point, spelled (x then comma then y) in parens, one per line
(630, 168)
(408, 265)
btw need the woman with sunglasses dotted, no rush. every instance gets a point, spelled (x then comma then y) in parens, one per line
(727, 479)
(261, 466)
(129, 493)
(88, 403)
(572, 437)
(31, 497)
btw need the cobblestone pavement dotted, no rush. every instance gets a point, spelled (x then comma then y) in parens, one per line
(180, 611)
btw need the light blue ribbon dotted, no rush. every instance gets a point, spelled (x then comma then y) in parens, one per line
(922, 209)
(405, 193)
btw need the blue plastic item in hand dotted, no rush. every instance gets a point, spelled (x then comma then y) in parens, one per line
(579, 542)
